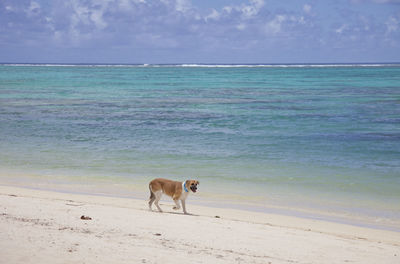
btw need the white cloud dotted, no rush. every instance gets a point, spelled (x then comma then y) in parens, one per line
(392, 24)
(228, 9)
(34, 5)
(34, 8)
(214, 15)
(81, 15)
(241, 26)
(307, 8)
(86, 21)
(341, 29)
(88, 14)
(97, 18)
(275, 26)
(182, 5)
(257, 3)
(247, 11)
(125, 5)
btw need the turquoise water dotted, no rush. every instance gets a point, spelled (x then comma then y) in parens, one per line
(324, 137)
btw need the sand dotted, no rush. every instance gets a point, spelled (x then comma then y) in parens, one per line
(39, 226)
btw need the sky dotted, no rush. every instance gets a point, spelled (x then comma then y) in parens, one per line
(199, 31)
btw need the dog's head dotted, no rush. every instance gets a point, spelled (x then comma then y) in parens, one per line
(192, 185)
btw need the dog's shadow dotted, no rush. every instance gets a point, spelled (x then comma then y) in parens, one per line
(177, 213)
(172, 212)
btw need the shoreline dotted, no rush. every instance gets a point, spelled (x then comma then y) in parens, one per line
(136, 192)
(237, 209)
(40, 225)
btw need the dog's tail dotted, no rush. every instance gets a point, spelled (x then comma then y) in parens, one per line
(152, 196)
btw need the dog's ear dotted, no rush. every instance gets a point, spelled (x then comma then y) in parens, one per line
(198, 182)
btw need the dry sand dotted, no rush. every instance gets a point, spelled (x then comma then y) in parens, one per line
(46, 227)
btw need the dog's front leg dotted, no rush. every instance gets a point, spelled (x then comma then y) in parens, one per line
(184, 206)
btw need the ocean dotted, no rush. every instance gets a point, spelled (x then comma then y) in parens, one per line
(319, 141)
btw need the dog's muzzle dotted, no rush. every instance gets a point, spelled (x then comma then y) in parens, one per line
(193, 188)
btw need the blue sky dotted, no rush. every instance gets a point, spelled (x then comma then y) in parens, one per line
(199, 31)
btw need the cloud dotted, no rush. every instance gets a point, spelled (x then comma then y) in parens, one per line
(182, 5)
(89, 13)
(341, 29)
(392, 25)
(241, 26)
(252, 9)
(307, 8)
(214, 15)
(246, 11)
(33, 9)
(275, 25)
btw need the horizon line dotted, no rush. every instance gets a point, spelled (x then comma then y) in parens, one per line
(192, 64)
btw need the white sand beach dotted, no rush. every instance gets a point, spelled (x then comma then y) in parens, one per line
(46, 227)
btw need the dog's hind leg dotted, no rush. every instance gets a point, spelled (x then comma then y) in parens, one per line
(177, 207)
(158, 195)
(152, 198)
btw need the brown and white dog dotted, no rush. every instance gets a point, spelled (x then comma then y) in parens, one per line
(177, 190)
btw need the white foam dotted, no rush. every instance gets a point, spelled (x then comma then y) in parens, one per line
(285, 65)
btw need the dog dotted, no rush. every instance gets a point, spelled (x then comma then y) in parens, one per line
(179, 191)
